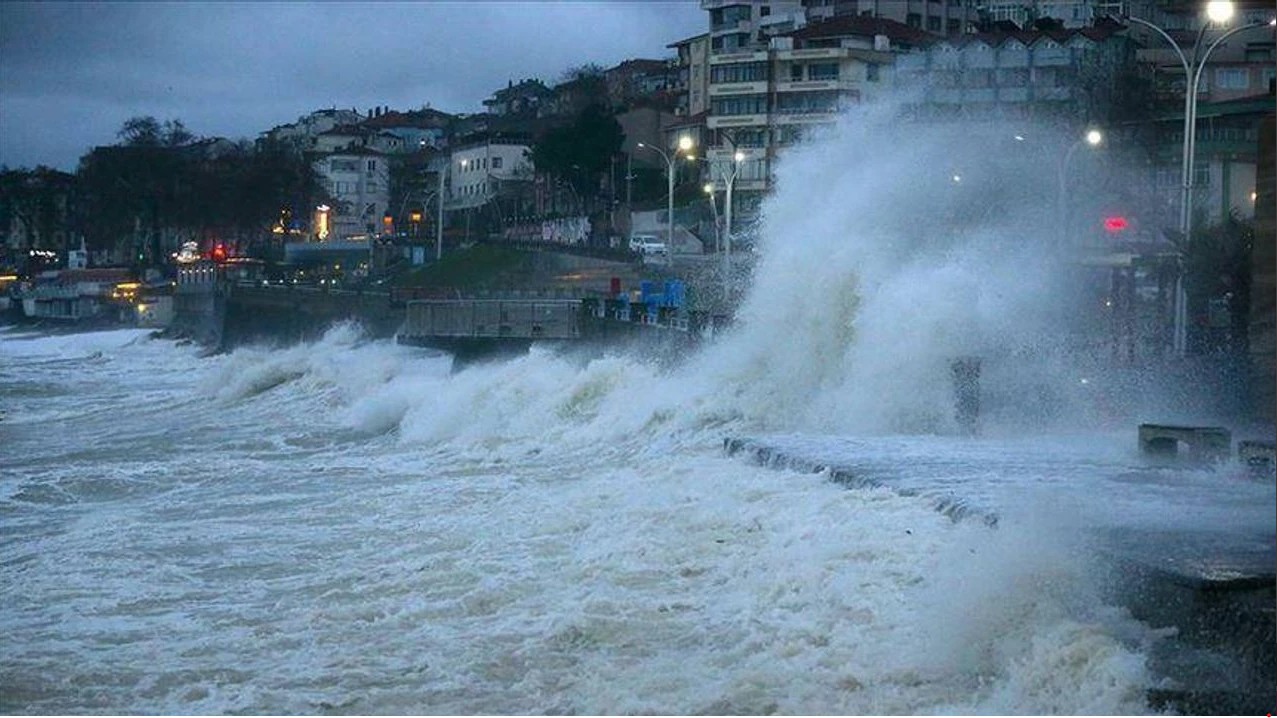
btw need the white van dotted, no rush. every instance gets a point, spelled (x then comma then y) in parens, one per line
(648, 244)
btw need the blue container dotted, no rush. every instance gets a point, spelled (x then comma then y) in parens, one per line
(646, 289)
(675, 293)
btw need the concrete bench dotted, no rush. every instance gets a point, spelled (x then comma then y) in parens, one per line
(1204, 442)
(1257, 454)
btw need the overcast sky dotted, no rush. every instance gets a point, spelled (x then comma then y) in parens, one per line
(72, 72)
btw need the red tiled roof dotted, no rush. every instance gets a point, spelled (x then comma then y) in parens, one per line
(856, 25)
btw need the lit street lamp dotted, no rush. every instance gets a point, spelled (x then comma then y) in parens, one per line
(1092, 138)
(684, 145)
(1218, 11)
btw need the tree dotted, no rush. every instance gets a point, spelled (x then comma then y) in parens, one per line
(158, 188)
(37, 202)
(582, 152)
(1217, 283)
(148, 132)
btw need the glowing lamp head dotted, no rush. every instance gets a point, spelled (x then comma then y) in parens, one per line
(685, 143)
(739, 156)
(709, 188)
(1094, 137)
(1220, 10)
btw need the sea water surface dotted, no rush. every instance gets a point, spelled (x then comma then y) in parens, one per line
(346, 527)
(351, 526)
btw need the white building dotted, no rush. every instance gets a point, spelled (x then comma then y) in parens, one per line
(478, 171)
(302, 133)
(358, 179)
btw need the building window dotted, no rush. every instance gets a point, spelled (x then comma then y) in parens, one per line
(802, 103)
(871, 72)
(744, 105)
(496, 163)
(372, 165)
(370, 187)
(725, 17)
(914, 20)
(764, 11)
(739, 72)
(822, 71)
(749, 138)
(954, 26)
(1232, 78)
(1013, 77)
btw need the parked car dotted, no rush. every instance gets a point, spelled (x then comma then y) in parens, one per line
(646, 244)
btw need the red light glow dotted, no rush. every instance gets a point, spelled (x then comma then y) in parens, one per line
(1114, 224)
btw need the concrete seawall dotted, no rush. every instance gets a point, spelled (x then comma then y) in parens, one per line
(1216, 589)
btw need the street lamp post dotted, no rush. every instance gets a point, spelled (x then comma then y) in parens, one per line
(713, 206)
(684, 145)
(1093, 138)
(729, 180)
(439, 221)
(1219, 11)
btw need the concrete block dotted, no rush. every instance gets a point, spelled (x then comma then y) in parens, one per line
(1203, 442)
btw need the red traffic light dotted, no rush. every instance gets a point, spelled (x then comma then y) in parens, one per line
(1116, 224)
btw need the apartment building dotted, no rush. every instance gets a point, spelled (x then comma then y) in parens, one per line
(771, 75)
(482, 170)
(1066, 76)
(691, 84)
(358, 180)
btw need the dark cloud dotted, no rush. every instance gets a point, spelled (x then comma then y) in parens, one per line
(71, 73)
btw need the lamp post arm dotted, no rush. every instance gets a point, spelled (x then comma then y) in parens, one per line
(1174, 45)
(1184, 176)
(1190, 155)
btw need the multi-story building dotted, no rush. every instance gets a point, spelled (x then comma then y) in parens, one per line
(482, 170)
(691, 84)
(764, 97)
(301, 134)
(939, 17)
(522, 98)
(358, 180)
(641, 82)
(417, 129)
(1067, 76)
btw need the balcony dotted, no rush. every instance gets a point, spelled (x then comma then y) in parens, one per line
(812, 53)
(817, 85)
(738, 88)
(717, 121)
(1013, 94)
(1053, 93)
(737, 56)
(732, 26)
(804, 118)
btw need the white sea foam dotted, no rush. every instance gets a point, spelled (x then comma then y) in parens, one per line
(351, 526)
